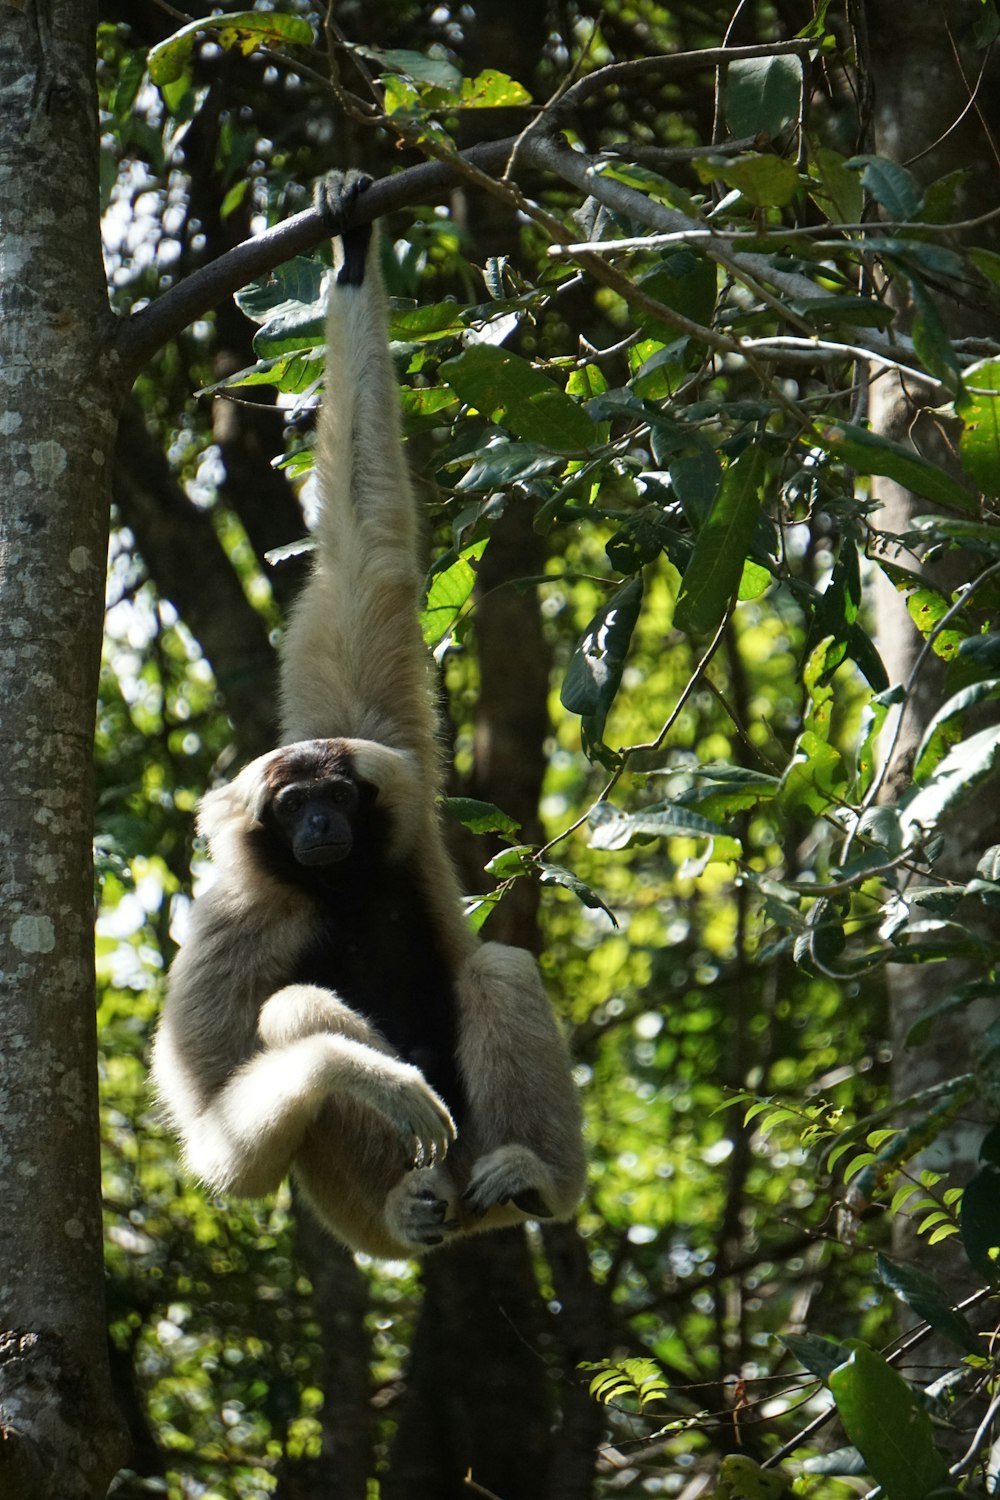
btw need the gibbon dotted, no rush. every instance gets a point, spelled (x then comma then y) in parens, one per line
(330, 1013)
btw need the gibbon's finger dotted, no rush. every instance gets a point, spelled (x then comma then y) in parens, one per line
(419, 1117)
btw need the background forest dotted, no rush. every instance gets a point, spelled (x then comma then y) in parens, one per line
(695, 315)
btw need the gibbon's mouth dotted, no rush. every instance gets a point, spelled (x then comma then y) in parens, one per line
(324, 854)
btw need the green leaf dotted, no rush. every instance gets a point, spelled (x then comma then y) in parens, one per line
(684, 282)
(962, 769)
(890, 185)
(640, 1380)
(979, 1221)
(435, 71)
(764, 181)
(763, 95)
(695, 479)
(246, 30)
(612, 828)
(928, 1301)
(713, 575)
(480, 817)
(504, 464)
(870, 453)
(740, 1478)
(886, 1423)
(930, 338)
(492, 90)
(836, 191)
(965, 994)
(449, 591)
(944, 729)
(290, 305)
(507, 389)
(838, 607)
(428, 321)
(595, 669)
(558, 875)
(979, 444)
(724, 791)
(815, 778)
(819, 1355)
(294, 374)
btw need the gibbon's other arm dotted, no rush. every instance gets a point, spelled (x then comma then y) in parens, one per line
(353, 661)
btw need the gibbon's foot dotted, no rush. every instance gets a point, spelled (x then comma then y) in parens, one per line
(415, 1213)
(508, 1175)
(335, 197)
(420, 1118)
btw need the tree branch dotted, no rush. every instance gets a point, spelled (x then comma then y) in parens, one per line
(142, 334)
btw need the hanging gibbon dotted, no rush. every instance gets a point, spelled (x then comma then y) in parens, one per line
(330, 1013)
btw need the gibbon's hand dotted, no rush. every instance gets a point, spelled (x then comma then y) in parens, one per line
(335, 197)
(420, 1118)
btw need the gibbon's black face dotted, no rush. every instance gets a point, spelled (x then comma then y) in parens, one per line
(318, 818)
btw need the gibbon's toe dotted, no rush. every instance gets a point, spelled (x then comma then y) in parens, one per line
(502, 1179)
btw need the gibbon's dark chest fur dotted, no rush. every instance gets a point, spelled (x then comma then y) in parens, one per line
(375, 946)
(376, 949)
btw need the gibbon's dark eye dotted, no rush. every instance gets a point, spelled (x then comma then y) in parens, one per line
(289, 801)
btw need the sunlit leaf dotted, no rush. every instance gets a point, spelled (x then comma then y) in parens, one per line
(979, 410)
(508, 389)
(449, 592)
(243, 30)
(945, 728)
(765, 181)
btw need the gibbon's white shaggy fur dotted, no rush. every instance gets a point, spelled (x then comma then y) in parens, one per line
(330, 1014)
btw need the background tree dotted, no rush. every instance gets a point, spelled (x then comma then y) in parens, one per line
(638, 376)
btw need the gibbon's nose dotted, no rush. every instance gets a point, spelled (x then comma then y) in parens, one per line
(318, 822)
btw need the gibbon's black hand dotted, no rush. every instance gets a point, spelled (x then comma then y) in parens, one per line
(335, 196)
(330, 1014)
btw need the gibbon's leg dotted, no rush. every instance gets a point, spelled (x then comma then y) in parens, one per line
(245, 1139)
(419, 1208)
(524, 1115)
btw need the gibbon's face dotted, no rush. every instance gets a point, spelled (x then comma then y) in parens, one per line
(318, 819)
(315, 804)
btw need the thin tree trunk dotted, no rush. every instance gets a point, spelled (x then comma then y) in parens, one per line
(59, 1432)
(921, 100)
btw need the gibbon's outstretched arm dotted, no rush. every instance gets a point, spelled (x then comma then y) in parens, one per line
(330, 1013)
(354, 663)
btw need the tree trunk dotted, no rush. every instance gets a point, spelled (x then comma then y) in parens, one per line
(921, 98)
(59, 1432)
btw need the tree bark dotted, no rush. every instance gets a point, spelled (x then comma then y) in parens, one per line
(59, 1431)
(921, 100)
